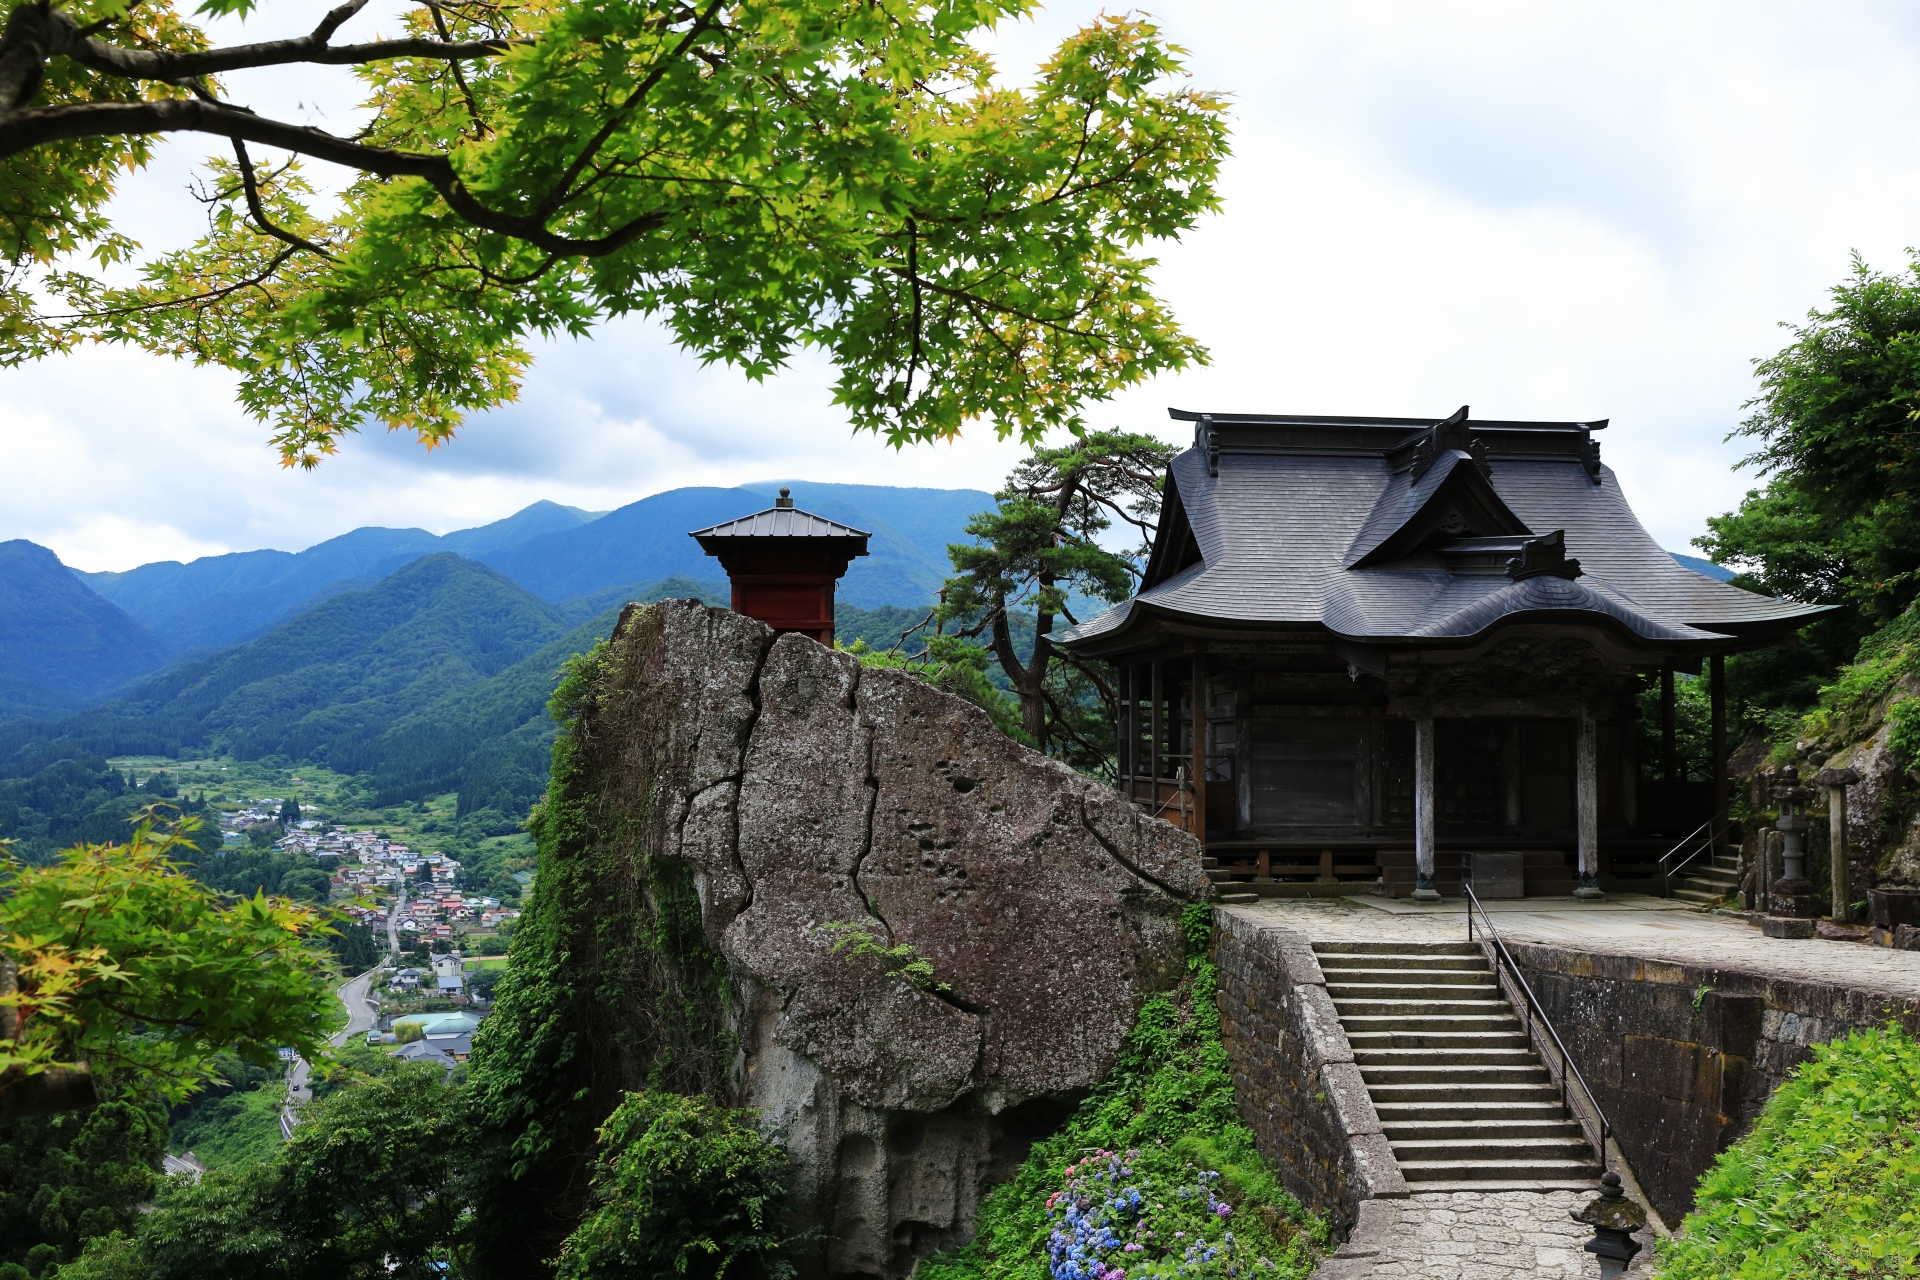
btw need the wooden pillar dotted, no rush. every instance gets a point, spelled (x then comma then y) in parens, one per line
(1586, 804)
(1669, 746)
(1423, 815)
(1717, 692)
(1123, 722)
(1156, 743)
(1198, 770)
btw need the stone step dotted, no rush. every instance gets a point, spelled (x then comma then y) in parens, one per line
(1350, 947)
(1398, 1130)
(1682, 892)
(1395, 977)
(1504, 1170)
(1430, 1091)
(1354, 1007)
(1570, 1147)
(1526, 1070)
(1385, 960)
(1450, 1055)
(1501, 1020)
(1396, 1037)
(1710, 871)
(1482, 1114)
(1441, 991)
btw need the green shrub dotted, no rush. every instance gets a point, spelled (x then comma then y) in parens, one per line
(1828, 1182)
(1167, 1109)
(1904, 736)
(372, 1185)
(232, 1128)
(681, 1188)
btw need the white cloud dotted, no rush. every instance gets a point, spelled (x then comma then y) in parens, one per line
(1539, 210)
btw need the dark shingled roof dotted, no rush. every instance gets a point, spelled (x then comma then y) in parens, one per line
(780, 522)
(1391, 530)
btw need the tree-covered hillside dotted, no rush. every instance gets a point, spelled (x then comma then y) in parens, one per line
(223, 600)
(335, 677)
(62, 646)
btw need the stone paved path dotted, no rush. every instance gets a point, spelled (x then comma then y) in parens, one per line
(1654, 928)
(1474, 1235)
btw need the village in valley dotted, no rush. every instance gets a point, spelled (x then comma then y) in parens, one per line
(433, 925)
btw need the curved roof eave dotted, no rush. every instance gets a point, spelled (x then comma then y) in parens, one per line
(1136, 613)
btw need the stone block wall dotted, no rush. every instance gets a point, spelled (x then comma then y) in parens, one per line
(1294, 1078)
(1682, 1056)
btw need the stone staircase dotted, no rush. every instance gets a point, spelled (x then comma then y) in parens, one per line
(1709, 880)
(1463, 1098)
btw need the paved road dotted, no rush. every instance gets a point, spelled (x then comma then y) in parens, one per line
(360, 1018)
(393, 920)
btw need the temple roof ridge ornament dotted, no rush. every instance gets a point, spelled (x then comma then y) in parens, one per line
(1447, 434)
(1544, 555)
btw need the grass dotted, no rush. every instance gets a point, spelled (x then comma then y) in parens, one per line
(1828, 1182)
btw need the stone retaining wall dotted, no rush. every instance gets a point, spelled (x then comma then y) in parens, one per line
(1683, 1056)
(1294, 1078)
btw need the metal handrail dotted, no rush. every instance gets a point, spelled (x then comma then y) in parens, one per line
(1713, 834)
(1533, 1005)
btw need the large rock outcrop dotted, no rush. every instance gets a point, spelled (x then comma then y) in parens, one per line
(805, 791)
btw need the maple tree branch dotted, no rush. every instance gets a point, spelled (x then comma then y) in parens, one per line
(252, 188)
(54, 33)
(459, 76)
(25, 129)
(562, 188)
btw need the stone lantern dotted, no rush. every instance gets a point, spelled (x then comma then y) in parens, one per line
(1792, 895)
(1614, 1219)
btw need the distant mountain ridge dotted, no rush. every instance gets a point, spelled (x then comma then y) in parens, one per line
(434, 680)
(221, 600)
(1719, 573)
(61, 645)
(558, 553)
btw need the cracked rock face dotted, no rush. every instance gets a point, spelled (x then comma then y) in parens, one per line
(804, 791)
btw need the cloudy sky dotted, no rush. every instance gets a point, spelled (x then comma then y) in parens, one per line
(1544, 211)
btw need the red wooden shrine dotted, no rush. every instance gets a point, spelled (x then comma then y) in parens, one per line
(783, 563)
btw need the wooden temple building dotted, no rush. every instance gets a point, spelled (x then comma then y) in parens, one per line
(1379, 648)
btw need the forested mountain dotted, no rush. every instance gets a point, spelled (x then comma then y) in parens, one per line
(434, 680)
(222, 600)
(647, 540)
(330, 679)
(490, 741)
(61, 645)
(558, 553)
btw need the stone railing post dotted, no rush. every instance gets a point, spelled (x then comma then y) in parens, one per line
(1836, 781)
